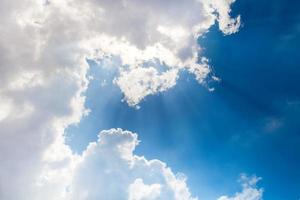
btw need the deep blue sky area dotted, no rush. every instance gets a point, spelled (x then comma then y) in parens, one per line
(249, 124)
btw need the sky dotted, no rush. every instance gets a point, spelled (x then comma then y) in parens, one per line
(101, 100)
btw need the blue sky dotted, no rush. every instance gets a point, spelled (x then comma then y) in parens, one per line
(249, 124)
(209, 87)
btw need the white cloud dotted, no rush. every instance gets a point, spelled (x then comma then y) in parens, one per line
(138, 190)
(109, 169)
(57, 33)
(163, 33)
(138, 83)
(249, 192)
(43, 50)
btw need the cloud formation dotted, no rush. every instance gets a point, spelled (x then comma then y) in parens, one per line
(109, 169)
(250, 190)
(43, 50)
(166, 38)
(150, 38)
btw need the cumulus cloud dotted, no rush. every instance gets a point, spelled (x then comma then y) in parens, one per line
(43, 50)
(144, 35)
(167, 36)
(250, 190)
(138, 190)
(109, 169)
(137, 84)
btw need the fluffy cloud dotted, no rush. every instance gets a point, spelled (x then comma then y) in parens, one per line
(155, 36)
(109, 169)
(43, 50)
(166, 38)
(249, 192)
(138, 83)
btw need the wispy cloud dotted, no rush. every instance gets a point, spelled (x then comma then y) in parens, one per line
(250, 190)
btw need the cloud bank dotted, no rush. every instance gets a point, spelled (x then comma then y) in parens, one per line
(43, 50)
